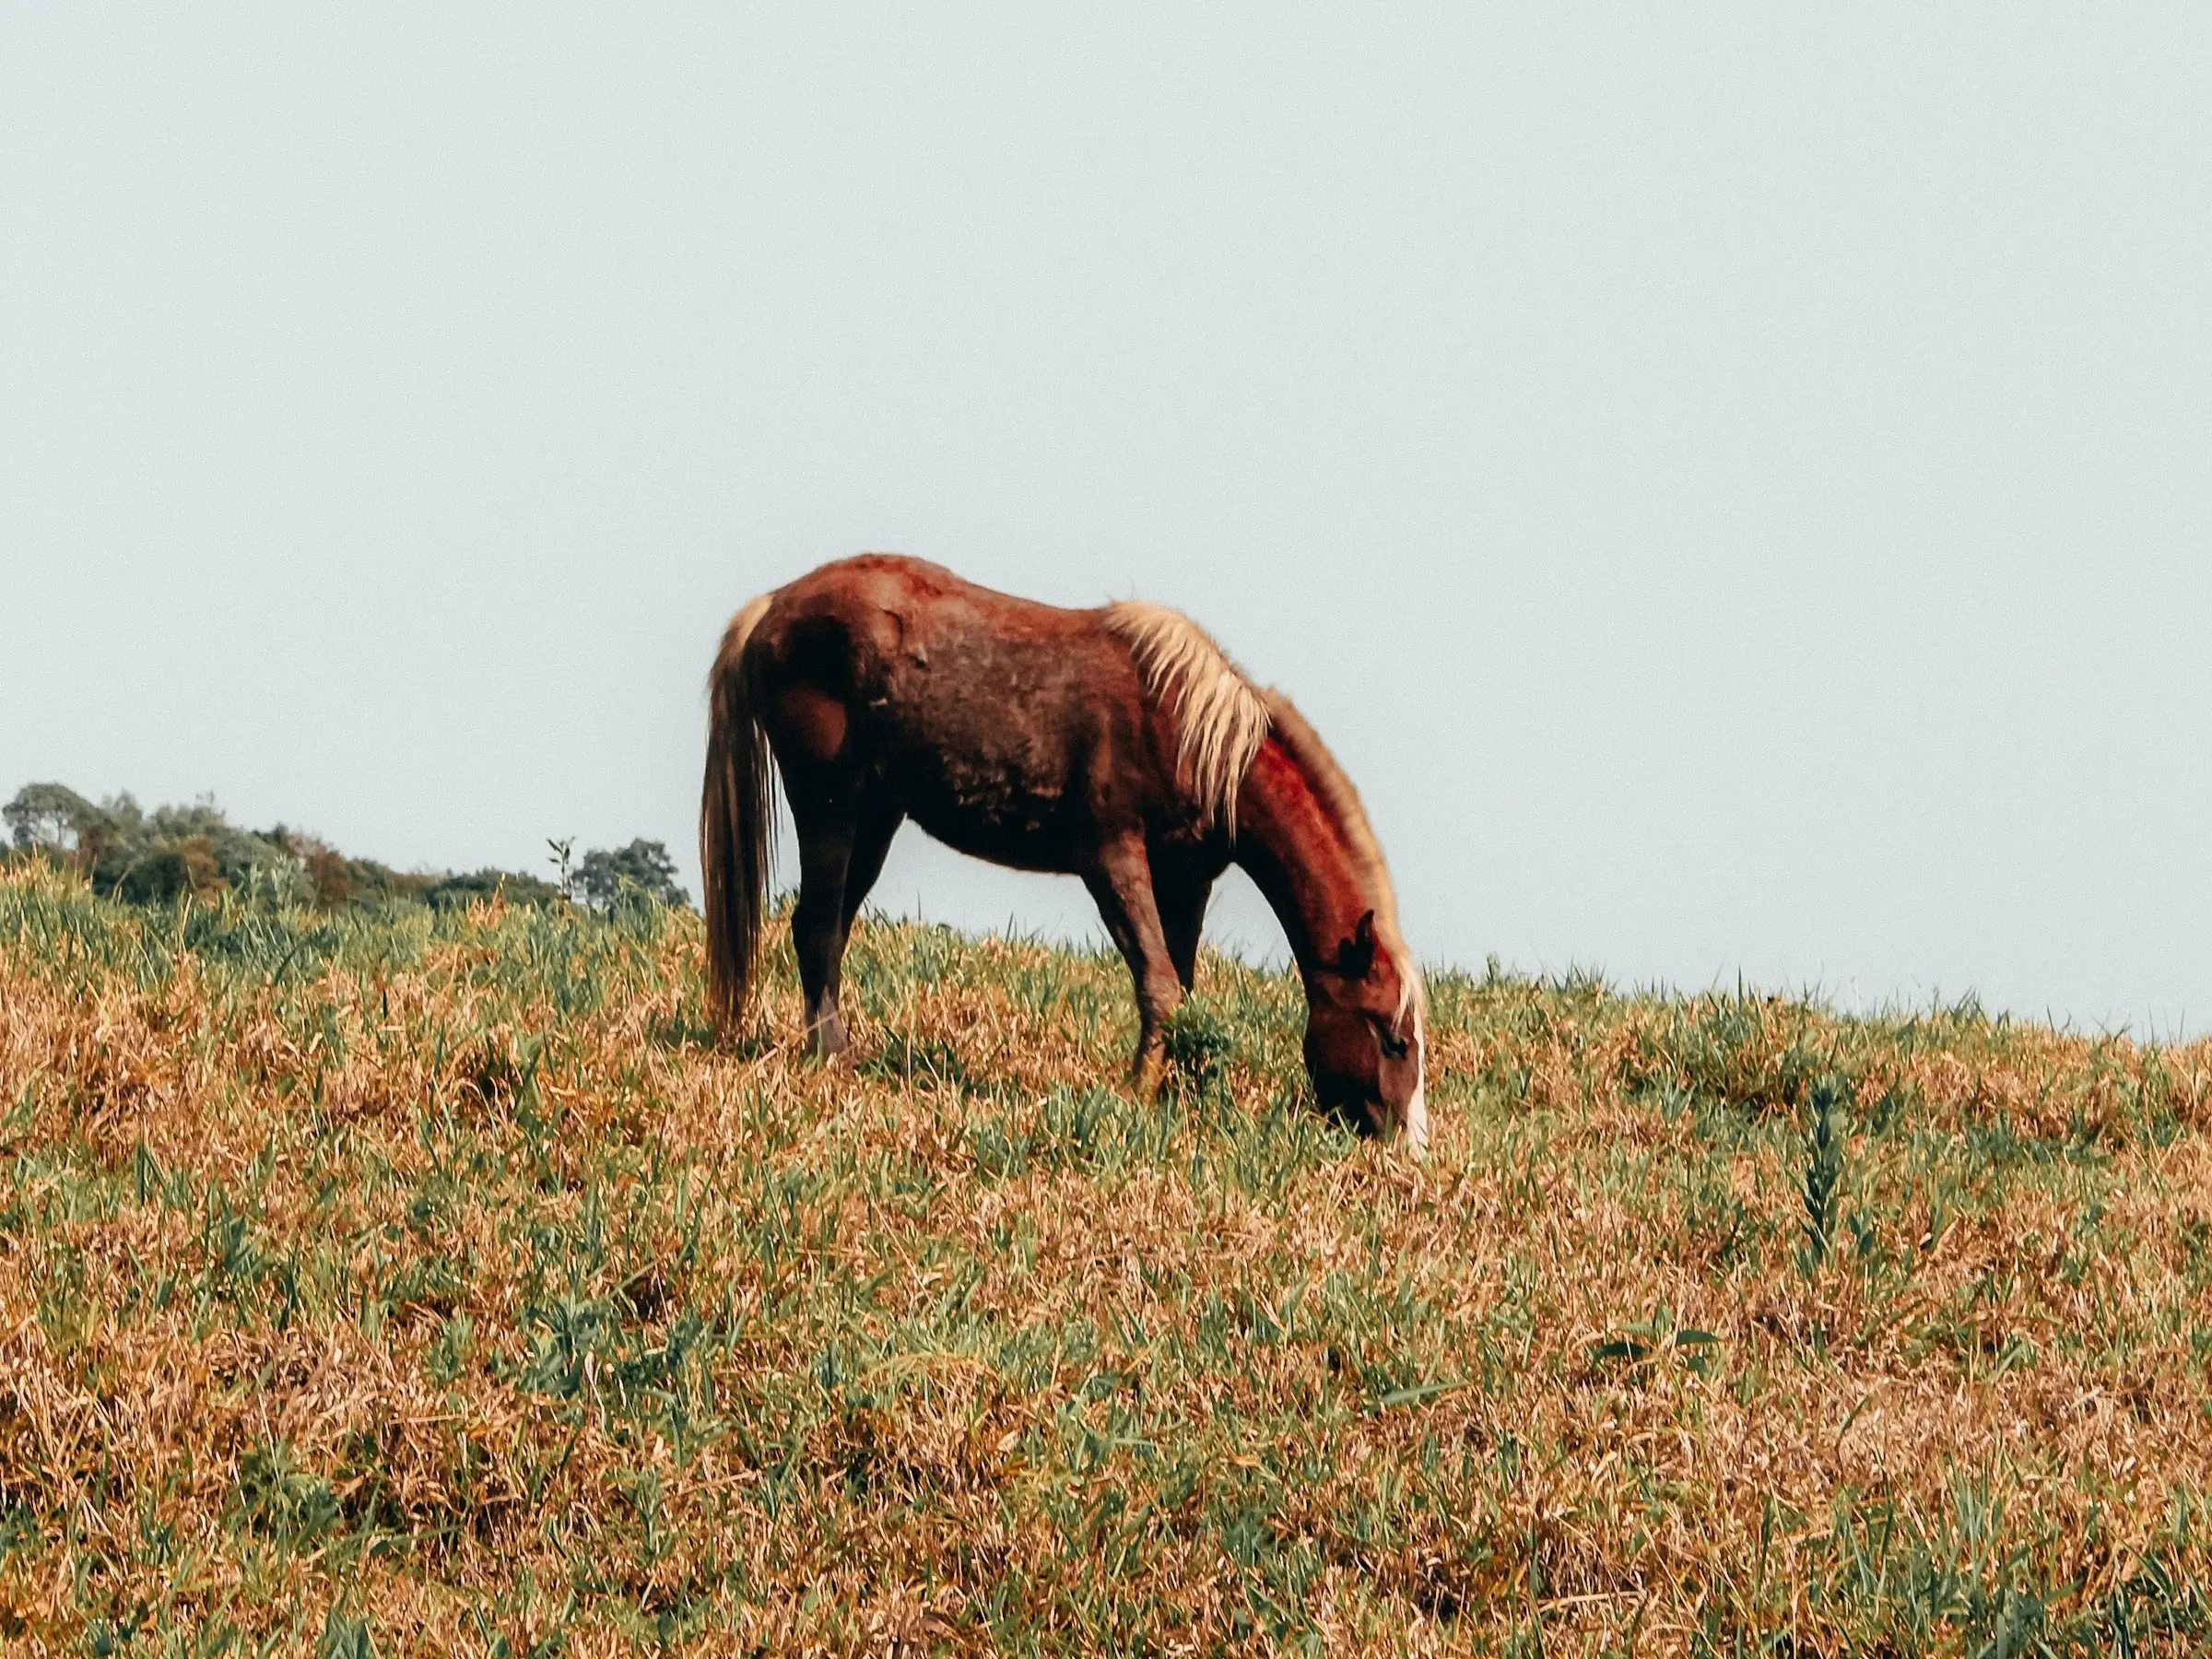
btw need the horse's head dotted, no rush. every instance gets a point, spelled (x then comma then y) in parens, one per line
(1365, 1041)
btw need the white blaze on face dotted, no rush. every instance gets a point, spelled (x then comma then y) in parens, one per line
(1416, 1108)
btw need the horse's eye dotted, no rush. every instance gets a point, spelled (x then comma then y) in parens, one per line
(1394, 1047)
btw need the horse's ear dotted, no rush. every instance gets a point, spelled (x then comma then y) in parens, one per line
(1357, 954)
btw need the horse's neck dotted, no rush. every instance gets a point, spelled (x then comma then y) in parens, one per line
(1298, 856)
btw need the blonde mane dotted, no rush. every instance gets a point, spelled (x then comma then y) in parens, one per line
(1341, 802)
(1221, 718)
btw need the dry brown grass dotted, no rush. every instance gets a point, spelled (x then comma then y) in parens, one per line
(428, 1280)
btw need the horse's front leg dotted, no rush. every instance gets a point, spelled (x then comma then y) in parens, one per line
(1182, 900)
(1121, 883)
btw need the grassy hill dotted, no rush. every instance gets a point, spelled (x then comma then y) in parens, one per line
(425, 1279)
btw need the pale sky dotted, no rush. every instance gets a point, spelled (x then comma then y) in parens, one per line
(1733, 484)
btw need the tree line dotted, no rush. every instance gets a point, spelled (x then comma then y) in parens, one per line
(156, 856)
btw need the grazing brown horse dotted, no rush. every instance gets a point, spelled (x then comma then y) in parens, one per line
(1118, 745)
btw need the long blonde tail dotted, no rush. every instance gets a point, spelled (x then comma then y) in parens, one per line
(736, 824)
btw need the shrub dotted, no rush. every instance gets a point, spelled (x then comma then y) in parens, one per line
(157, 857)
(458, 891)
(128, 853)
(643, 868)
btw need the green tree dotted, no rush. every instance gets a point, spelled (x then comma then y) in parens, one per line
(128, 853)
(643, 868)
(54, 819)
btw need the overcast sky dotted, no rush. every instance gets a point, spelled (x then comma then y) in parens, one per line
(1734, 486)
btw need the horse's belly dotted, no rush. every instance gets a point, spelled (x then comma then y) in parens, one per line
(993, 813)
(994, 732)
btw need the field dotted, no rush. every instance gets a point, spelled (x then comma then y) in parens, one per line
(416, 1281)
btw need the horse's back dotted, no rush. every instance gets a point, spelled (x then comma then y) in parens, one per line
(920, 593)
(917, 631)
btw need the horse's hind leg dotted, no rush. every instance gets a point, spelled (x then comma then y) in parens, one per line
(831, 791)
(817, 932)
(841, 849)
(1120, 881)
(871, 841)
